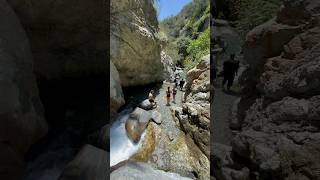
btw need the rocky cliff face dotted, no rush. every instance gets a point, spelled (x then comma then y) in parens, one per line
(68, 39)
(116, 95)
(135, 47)
(280, 133)
(194, 116)
(168, 65)
(21, 112)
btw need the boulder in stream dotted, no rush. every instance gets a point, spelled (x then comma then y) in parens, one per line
(146, 105)
(137, 123)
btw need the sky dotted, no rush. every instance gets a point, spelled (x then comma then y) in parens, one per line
(171, 7)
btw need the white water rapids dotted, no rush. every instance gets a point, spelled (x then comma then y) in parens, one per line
(121, 147)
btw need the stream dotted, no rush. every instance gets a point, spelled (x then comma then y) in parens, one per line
(121, 147)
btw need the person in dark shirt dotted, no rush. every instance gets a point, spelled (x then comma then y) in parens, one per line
(230, 69)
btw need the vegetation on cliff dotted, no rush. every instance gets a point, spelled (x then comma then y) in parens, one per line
(187, 34)
(251, 13)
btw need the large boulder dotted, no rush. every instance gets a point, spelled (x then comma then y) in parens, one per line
(21, 111)
(89, 164)
(168, 65)
(137, 123)
(224, 168)
(296, 71)
(132, 171)
(68, 39)
(277, 134)
(265, 41)
(135, 49)
(146, 105)
(116, 95)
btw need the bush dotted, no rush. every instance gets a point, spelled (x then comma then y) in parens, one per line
(251, 13)
(197, 49)
(183, 44)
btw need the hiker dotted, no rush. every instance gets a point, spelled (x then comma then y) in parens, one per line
(152, 98)
(230, 69)
(181, 84)
(176, 82)
(174, 92)
(168, 92)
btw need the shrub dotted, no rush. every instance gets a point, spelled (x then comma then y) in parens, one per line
(251, 13)
(197, 49)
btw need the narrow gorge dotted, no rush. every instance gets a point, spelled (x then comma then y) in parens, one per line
(162, 141)
(271, 130)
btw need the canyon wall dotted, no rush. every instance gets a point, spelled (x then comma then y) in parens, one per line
(22, 120)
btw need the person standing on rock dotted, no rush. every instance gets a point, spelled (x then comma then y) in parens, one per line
(168, 92)
(230, 69)
(151, 98)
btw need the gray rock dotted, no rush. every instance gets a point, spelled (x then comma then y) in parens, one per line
(156, 117)
(116, 95)
(137, 123)
(89, 164)
(146, 105)
(135, 49)
(232, 174)
(235, 123)
(221, 155)
(142, 171)
(68, 39)
(168, 65)
(141, 115)
(257, 48)
(170, 136)
(224, 166)
(21, 110)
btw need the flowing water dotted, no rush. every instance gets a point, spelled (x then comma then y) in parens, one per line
(121, 147)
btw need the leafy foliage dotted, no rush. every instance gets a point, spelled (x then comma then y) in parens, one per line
(251, 13)
(197, 49)
(188, 16)
(188, 47)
